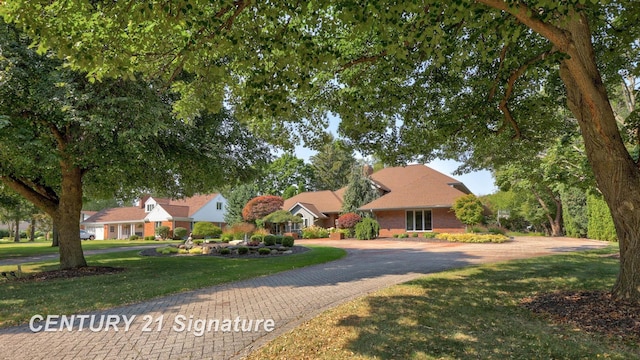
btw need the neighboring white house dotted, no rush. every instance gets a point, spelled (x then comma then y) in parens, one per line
(152, 212)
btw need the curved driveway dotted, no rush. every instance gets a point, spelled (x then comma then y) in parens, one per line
(286, 298)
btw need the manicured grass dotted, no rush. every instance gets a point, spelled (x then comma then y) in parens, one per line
(10, 250)
(473, 313)
(146, 278)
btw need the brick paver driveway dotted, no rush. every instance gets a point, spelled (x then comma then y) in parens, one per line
(160, 328)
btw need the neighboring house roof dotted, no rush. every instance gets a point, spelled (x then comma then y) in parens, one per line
(181, 208)
(114, 215)
(311, 209)
(415, 186)
(324, 202)
(176, 211)
(193, 203)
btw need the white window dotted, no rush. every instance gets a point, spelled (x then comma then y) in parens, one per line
(158, 224)
(218, 206)
(418, 220)
(150, 207)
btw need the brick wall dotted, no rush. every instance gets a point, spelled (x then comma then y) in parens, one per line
(394, 222)
(445, 221)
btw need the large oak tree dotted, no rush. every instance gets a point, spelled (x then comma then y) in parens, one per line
(409, 80)
(62, 136)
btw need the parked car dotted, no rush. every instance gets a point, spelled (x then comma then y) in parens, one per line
(84, 235)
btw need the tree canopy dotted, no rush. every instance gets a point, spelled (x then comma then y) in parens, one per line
(62, 136)
(470, 80)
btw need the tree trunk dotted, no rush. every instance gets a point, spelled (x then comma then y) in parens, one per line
(16, 235)
(67, 218)
(616, 174)
(32, 230)
(55, 237)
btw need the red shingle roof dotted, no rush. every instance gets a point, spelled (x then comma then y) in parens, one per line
(415, 186)
(326, 201)
(130, 214)
(194, 203)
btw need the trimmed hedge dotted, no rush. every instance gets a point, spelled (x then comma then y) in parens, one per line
(473, 238)
(288, 241)
(270, 240)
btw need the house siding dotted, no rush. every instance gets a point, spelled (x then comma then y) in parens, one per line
(393, 222)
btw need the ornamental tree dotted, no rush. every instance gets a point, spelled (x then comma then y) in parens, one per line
(468, 209)
(261, 206)
(348, 220)
(474, 80)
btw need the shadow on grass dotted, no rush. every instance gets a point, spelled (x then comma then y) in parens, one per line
(474, 313)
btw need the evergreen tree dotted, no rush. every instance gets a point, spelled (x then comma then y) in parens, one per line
(332, 165)
(360, 191)
(236, 200)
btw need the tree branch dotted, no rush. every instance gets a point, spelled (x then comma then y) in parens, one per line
(41, 200)
(515, 75)
(524, 14)
(363, 59)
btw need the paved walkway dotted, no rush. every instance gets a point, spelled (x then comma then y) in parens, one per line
(287, 299)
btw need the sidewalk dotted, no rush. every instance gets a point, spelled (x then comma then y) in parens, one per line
(160, 328)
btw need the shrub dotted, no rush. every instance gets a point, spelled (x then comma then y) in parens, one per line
(396, 235)
(150, 237)
(133, 237)
(415, 235)
(264, 251)
(179, 233)
(257, 238)
(348, 220)
(183, 251)
(288, 241)
(473, 238)
(430, 235)
(468, 209)
(367, 229)
(196, 250)
(225, 251)
(270, 240)
(477, 229)
(163, 231)
(198, 242)
(4, 233)
(314, 232)
(226, 237)
(239, 230)
(403, 236)
(279, 239)
(166, 250)
(497, 230)
(243, 250)
(206, 229)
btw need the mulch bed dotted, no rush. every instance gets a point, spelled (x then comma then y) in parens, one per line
(590, 311)
(294, 250)
(71, 273)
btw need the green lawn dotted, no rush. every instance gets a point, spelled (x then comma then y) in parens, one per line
(472, 313)
(10, 249)
(145, 278)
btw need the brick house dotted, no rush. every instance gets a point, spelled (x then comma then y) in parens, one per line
(152, 212)
(413, 199)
